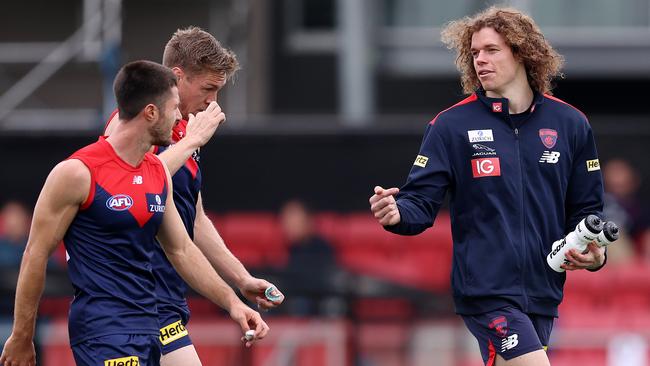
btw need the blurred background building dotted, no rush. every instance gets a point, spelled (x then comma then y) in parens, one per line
(332, 99)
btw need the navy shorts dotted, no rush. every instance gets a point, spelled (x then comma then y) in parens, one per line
(118, 350)
(509, 332)
(173, 334)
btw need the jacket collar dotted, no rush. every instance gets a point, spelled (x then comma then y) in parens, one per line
(500, 105)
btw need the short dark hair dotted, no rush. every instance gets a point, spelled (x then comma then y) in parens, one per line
(197, 51)
(139, 83)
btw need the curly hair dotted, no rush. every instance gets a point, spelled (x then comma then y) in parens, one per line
(197, 51)
(520, 32)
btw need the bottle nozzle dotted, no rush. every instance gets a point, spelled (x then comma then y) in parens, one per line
(594, 224)
(611, 231)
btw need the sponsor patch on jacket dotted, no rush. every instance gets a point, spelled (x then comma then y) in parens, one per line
(480, 135)
(482, 150)
(124, 361)
(593, 165)
(421, 161)
(486, 167)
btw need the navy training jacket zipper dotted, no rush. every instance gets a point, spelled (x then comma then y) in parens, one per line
(523, 222)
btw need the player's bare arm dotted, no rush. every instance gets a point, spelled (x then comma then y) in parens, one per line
(207, 238)
(195, 269)
(199, 131)
(65, 189)
(384, 207)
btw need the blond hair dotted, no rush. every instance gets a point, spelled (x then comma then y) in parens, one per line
(197, 51)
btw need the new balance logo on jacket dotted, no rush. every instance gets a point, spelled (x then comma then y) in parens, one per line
(550, 157)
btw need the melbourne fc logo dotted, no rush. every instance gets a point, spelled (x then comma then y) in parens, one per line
(119, 202)
(548, 137)
(500, 326)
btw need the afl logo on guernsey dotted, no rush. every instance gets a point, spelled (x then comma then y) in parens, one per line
(119, 202)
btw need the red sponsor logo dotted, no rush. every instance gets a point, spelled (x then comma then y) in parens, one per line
(487, 167)
(497, 107)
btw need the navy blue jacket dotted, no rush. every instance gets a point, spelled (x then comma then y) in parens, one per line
(516, 185)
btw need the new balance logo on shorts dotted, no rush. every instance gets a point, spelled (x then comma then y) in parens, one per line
(172, 332)
(124, 361)
(509, 343)
(550, 157)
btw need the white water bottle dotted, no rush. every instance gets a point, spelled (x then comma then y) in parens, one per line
(609, 234)
(586, 231)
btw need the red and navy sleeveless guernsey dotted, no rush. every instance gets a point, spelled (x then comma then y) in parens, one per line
(110, 244)
(170, 287)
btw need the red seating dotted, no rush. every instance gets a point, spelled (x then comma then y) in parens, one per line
(255, 238)
(202, 308)
(329, 224)
(362, 245)
(572, 357)
(54, 307)
(382, 309)
(422, 261)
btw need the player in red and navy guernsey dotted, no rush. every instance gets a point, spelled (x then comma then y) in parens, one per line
(521, 169)
(108, 202)
(203, 67)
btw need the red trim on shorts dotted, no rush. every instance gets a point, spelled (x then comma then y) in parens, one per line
(492, 354)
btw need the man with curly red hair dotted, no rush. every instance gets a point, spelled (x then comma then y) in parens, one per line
(521, 169)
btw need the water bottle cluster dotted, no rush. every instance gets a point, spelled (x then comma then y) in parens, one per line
(590, 229)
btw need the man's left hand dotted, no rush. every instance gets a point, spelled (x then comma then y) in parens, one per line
(253, 290)
(592, 259)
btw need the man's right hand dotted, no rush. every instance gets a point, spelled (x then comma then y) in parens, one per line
(384, 207)
(18, 352)
(248, 319)
(201, 127)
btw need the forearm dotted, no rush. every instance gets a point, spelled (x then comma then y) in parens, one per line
(31, 282)
(176, 155)
(194, 268)
(215, 250)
